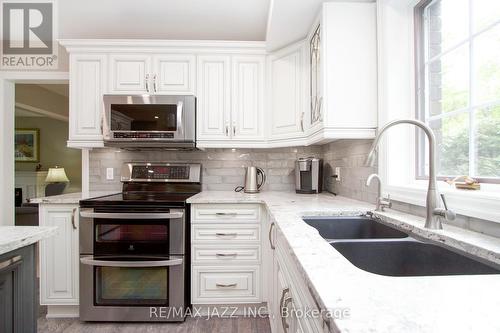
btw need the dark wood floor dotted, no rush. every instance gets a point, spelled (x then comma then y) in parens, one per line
(191, 325)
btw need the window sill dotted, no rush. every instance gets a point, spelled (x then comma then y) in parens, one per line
(482, 204)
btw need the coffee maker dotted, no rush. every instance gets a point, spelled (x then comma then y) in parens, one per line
(309, 175)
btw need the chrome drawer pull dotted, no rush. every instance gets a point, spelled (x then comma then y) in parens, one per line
(226, 214)
(222, 234)
(226, 254)
(222, 285)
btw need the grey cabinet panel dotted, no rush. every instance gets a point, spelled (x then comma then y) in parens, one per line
(17, 291)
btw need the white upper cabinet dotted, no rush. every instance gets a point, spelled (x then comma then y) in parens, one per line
(213, 97)
(130, 73)
(247, 97)
(174, 73)
(152, 74)
(343, 72)
(230, 95)
(87, 84)
(314, 91)
(287, 93)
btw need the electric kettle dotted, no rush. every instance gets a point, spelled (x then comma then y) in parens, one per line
(251, 180)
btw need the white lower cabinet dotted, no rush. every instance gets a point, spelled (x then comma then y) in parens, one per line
(226, 254)
(59, 255)
(225, 284)
(290, 302)
(240, 256)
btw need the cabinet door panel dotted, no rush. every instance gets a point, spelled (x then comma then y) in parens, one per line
(286, 101)
(7, 295)
(248, 97)
(213, 97)
(174, 73)
(59, 257)
(129, 73)
(18, 304)
(87, 81)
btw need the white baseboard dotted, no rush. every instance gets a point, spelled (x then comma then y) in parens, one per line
(62, 311)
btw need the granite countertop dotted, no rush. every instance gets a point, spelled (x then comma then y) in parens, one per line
(70, 198)
(377, 303)
(15, 237)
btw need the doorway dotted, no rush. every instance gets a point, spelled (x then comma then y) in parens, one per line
(44, 165)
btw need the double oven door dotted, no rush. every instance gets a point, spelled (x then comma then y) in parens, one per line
(132, 264)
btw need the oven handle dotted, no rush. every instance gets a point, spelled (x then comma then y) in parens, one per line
(113, 263)
(129, 216)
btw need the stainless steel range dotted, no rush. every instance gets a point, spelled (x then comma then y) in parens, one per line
(134, 246)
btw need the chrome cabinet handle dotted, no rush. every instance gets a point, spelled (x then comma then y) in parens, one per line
(10, 262)
(73, 218)
(129, 216)
(223, 285)
(287, 301)
(109, 262)
(226, 254)
(271, 236)
(234, 130)
(320, 105)
(222, 234)
(227, 130)
(147, 82)
(282, 299)
(302, 122)
(154, 83)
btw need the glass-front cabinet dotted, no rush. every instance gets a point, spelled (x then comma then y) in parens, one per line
(316, 93)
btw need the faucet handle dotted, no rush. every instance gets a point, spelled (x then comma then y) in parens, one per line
(444, 201)
(385, 202)
(448, 214)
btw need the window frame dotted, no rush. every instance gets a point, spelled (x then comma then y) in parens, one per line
(421, 91)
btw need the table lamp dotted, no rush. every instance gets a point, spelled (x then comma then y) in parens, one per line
(56, 181)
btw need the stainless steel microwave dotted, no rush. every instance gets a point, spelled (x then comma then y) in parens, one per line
(156, 121)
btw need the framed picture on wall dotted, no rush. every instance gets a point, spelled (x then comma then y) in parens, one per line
(27, 145)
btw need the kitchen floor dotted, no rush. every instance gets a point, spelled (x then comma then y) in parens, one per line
(191, 325)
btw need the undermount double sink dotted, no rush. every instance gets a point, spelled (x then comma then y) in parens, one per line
(380, 249)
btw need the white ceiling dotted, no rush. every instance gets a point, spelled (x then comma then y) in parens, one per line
(290, 20)
(164, 19)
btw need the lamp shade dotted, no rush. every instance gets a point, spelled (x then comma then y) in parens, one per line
(56, 175)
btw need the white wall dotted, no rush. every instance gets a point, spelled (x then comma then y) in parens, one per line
(6, 153)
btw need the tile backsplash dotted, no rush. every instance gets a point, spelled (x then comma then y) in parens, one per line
(350, 156)
(223, 169)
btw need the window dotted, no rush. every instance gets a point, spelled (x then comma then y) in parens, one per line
(458, 86)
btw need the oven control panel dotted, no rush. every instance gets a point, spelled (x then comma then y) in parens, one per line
(161, 172)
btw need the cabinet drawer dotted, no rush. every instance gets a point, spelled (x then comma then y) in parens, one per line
(218, 233)
(226, 213)
(216, 254)
(219, 284)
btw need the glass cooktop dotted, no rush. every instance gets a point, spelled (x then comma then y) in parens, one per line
(138, 199)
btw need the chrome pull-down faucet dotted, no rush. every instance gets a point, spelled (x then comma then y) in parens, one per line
(382, 202)
(434, 211)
